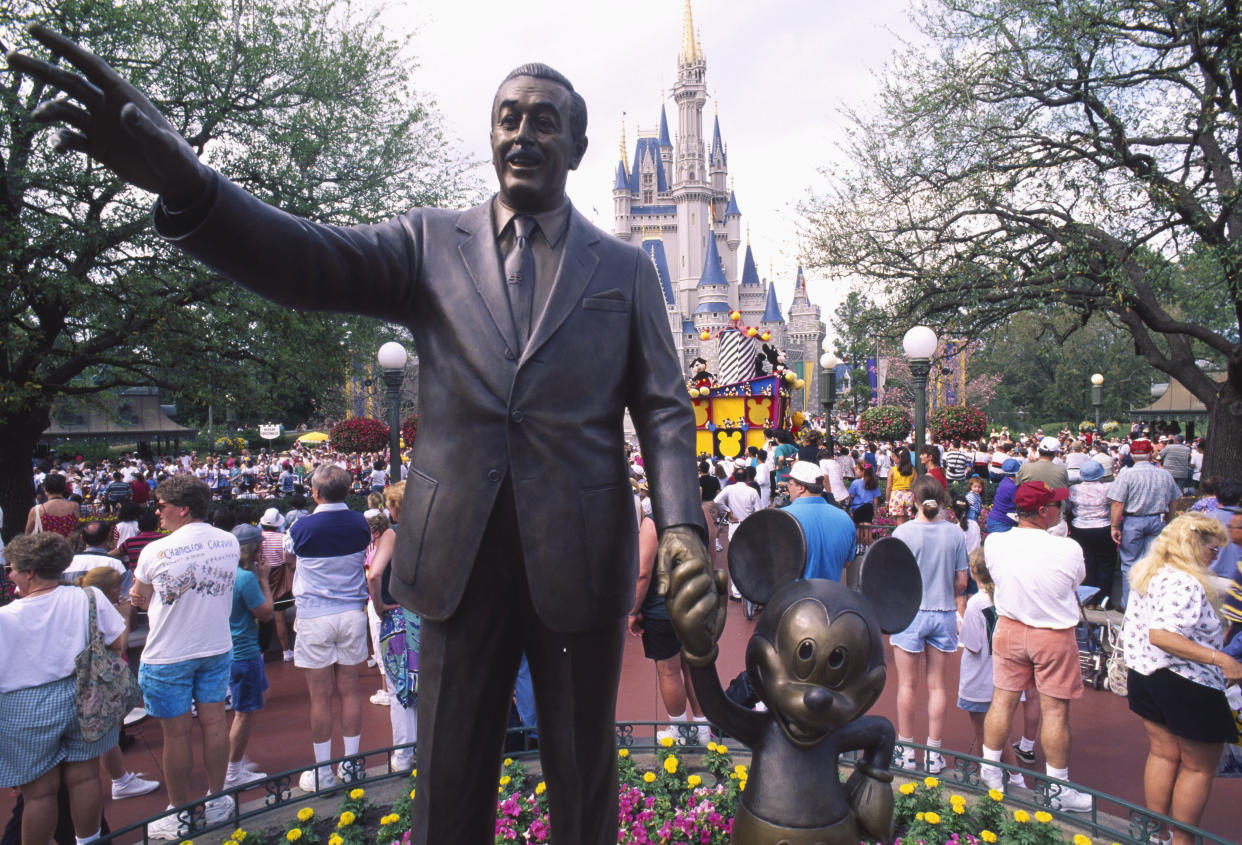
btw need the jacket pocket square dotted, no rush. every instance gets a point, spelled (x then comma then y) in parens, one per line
(613, 300)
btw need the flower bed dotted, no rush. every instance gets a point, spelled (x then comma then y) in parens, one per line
(666, 799)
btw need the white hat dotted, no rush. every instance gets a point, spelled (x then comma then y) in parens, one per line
(805, 472)
(272, 518)
(1050, 444)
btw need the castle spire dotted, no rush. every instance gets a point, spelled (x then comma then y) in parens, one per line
(623, 147)
(690, 51)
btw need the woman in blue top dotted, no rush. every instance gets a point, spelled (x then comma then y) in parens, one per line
(1002, 503)
(863, 493)
(940, 549)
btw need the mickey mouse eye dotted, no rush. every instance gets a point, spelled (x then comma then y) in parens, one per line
(806, 649)
(805, 661)
(836, 659)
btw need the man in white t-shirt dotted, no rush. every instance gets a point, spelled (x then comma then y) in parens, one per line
(1036, 576)
(185, 582)
(96, 535)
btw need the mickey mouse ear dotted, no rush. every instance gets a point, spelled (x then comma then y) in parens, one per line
(767, 551)
(891, 581)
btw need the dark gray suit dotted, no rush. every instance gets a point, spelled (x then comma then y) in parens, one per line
(518, 496)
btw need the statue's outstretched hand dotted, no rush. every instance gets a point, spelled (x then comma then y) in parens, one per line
(112, 121)
(696, 596)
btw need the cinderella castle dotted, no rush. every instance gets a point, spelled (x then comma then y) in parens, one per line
(673, 196)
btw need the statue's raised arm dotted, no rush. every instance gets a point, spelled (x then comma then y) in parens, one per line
(112, 121)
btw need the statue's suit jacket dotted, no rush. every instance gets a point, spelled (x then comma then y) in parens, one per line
(549, 416)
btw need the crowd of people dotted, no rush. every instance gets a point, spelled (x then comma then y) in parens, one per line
(1004, 531)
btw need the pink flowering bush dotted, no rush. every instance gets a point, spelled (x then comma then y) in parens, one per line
(884, 422)
(957, 422)
(359, 434)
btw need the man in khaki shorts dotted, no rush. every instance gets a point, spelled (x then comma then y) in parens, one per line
(330, 596)
(1036, 576)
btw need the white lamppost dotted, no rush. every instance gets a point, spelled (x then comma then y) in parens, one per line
(392, 357)
(920, 345)
(828, 387)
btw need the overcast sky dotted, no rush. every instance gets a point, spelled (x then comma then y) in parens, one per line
(777, 73)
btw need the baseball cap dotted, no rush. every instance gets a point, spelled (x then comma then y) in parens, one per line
(805, 472)
(247, 534)
(1142, 446)
(1033, 495)
(272, 518)
(1011, 466)
(1050, 444)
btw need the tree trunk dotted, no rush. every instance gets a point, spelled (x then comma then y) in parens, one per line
(1224, 444)
(17, 445)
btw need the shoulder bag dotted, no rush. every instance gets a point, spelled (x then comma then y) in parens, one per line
(107, 689)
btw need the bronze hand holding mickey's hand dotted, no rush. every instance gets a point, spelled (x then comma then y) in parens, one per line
(696, 596)
(112, 122)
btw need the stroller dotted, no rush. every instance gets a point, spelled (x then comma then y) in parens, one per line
(1099, 635)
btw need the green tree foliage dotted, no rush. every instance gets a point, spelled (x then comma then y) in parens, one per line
(853, 323)
(1084, 154)
(306, 103)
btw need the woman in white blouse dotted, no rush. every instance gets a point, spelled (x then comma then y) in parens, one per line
(1177, 673)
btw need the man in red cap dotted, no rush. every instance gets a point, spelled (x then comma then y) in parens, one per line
(1036, 576)
(1140, 496)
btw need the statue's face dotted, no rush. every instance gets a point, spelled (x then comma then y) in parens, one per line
(533, 148)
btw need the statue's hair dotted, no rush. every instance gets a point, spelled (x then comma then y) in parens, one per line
(577, 105)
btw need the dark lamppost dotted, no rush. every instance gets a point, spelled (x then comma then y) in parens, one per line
(920, 345)
(828, 389)
(1097, 398)
(392, 358)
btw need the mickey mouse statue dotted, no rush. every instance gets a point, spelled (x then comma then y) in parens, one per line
(816, 660)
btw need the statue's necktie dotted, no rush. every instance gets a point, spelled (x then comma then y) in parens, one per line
(520, 276)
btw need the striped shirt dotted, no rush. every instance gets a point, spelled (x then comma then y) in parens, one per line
(331, 547)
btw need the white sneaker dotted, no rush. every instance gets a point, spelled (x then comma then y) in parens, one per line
(167, 827)
(906, 762)
(402, 760)
(992, 777)
(935, 763)
(326, 779)
(371, 662)
(704, 731)
(349, 771)
(135, 716)
(216, 810)
(288, 656)
(381, 697)
(1070, 800)
(243, 775)
(130, 785)
(668, 733)
(1017, 780)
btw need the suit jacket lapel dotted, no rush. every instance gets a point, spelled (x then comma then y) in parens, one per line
(578, 263)
(478, 253)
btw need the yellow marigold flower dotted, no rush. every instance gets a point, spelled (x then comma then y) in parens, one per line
(500, 790)
(230, 842)
(987, 836)
(720, 749)
(931, 782)
(649, 777)
(1021, 816)
(504, 780)
(740, 769)
(932, 818)
(666, 741)
(623, 752)
(959, 808)
(996, 795)
(1042, 817)
(335, 839)
(413, 773)
(670, 765)
(294, 835)
(239, 835)
(1079, 839)
(508, 761)
(957, 799)
(906, 789)
(712, 746)
(920, 816)
(356, 794)
(347, 818)
(741, 784)
(541, 788)
(693, 781)
(412, 794)
(305, 814)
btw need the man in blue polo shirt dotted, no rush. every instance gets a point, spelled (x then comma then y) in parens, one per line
(830, 533)
(330, 596)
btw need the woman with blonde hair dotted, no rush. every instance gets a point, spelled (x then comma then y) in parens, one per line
(398, 639)
(1177, 673)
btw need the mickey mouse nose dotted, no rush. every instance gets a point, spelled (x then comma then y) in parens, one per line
(817, 698)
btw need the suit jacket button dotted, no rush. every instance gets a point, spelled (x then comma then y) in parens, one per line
(494, 475)
(509, 354)
(517, 416)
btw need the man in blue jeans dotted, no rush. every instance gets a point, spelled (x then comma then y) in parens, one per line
(830, 533)
(1140, 496)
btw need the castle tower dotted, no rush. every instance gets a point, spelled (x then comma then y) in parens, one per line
(712, 313)
(621, 196)
(750, 299)
(666, 145)
(691, 192)
(805, 335)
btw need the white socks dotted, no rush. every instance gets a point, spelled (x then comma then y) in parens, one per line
(681, 718)
(323, 751)
(83, 841)
(991, 775)
(1059, 774)
(352, 743)
(1026, 744)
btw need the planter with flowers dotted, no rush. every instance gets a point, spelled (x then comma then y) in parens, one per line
(957, 422)
(359, 434)
(884, 422)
